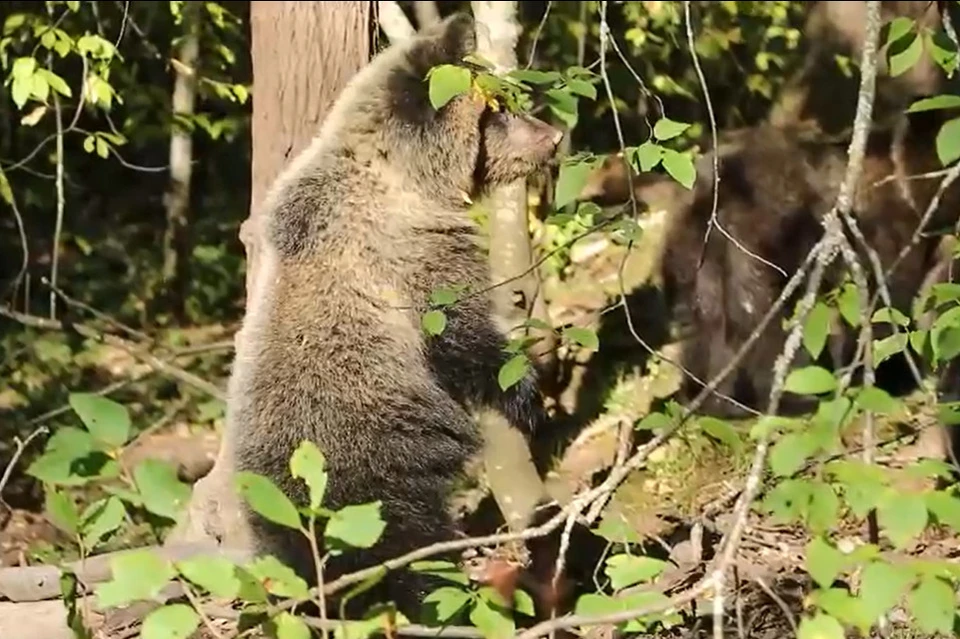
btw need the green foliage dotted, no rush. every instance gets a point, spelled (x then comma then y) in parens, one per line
(109, 257)
(75, 459)
(447, 82)
(514, 370)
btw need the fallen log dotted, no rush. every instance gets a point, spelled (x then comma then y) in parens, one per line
(39, 583)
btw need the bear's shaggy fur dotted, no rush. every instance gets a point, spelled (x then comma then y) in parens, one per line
(360, 229)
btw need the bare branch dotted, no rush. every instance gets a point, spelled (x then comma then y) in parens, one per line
(714, 222)
(426, 13)
(21, 447)
(394, 22)
(133, 349)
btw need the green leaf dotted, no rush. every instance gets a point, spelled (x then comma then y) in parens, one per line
(491, 620)
(162, 492)
(902, 517)
(523, 603)
(917, 340)
(627, 570)
(376, 625)
(887, 315)
(720, 430)
(933, 606)
(288, 626)
(820, 626)
(251, 590)
(862, 484)
(936, 102)
(433, 322)
(824, 507)
(71, 442)
(443, 297)
(443, 569)
(308, 463)
(648, 155)
(904, 59)
(100, 519)
(581, 87)
(790, 453)
(585, 337)
(533, 76)
(63, 468)
(816, 329)
(107, 421)
(570, 182)
(267, 500)
(849, 304)
(614, 528)
(62, 511)
(56, 83)
(357, 526)
(447, 81)
(667, 129)
(810, 380)
(597, 605)
(881, 586)
(278, 578)
(768, 425)
(653, 421)
(448, 601)
(216, 575)
(102, 149)
(884, 349)
(6, 192)
(948, 142)
(20, 91)
(23, 68)
(513, 371)
(563, 104)
(945, 507)
(899, 27)
(680, 167)
(137, 575)
(174, 621)
(823, 562)
(878, 401)
(839, 603)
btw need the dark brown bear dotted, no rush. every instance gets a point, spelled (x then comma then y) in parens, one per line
(775, 188)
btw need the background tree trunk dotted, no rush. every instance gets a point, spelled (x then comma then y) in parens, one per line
(176, 238)
(303, 54)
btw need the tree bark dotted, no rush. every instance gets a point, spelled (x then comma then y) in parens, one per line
(303, 54)
(511, 473)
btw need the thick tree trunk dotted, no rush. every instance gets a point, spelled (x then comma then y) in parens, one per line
(303, 55)
(510, 470)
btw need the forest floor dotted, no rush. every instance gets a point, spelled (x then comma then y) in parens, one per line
(679, 503)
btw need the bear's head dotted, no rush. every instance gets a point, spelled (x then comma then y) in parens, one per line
(465, 146)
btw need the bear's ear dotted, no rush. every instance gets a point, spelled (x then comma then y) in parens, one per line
(447, 42)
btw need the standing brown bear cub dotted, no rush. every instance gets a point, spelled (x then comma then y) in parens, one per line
(359, 230)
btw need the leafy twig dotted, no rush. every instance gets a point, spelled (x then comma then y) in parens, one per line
(134, 349)
(21, 446)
